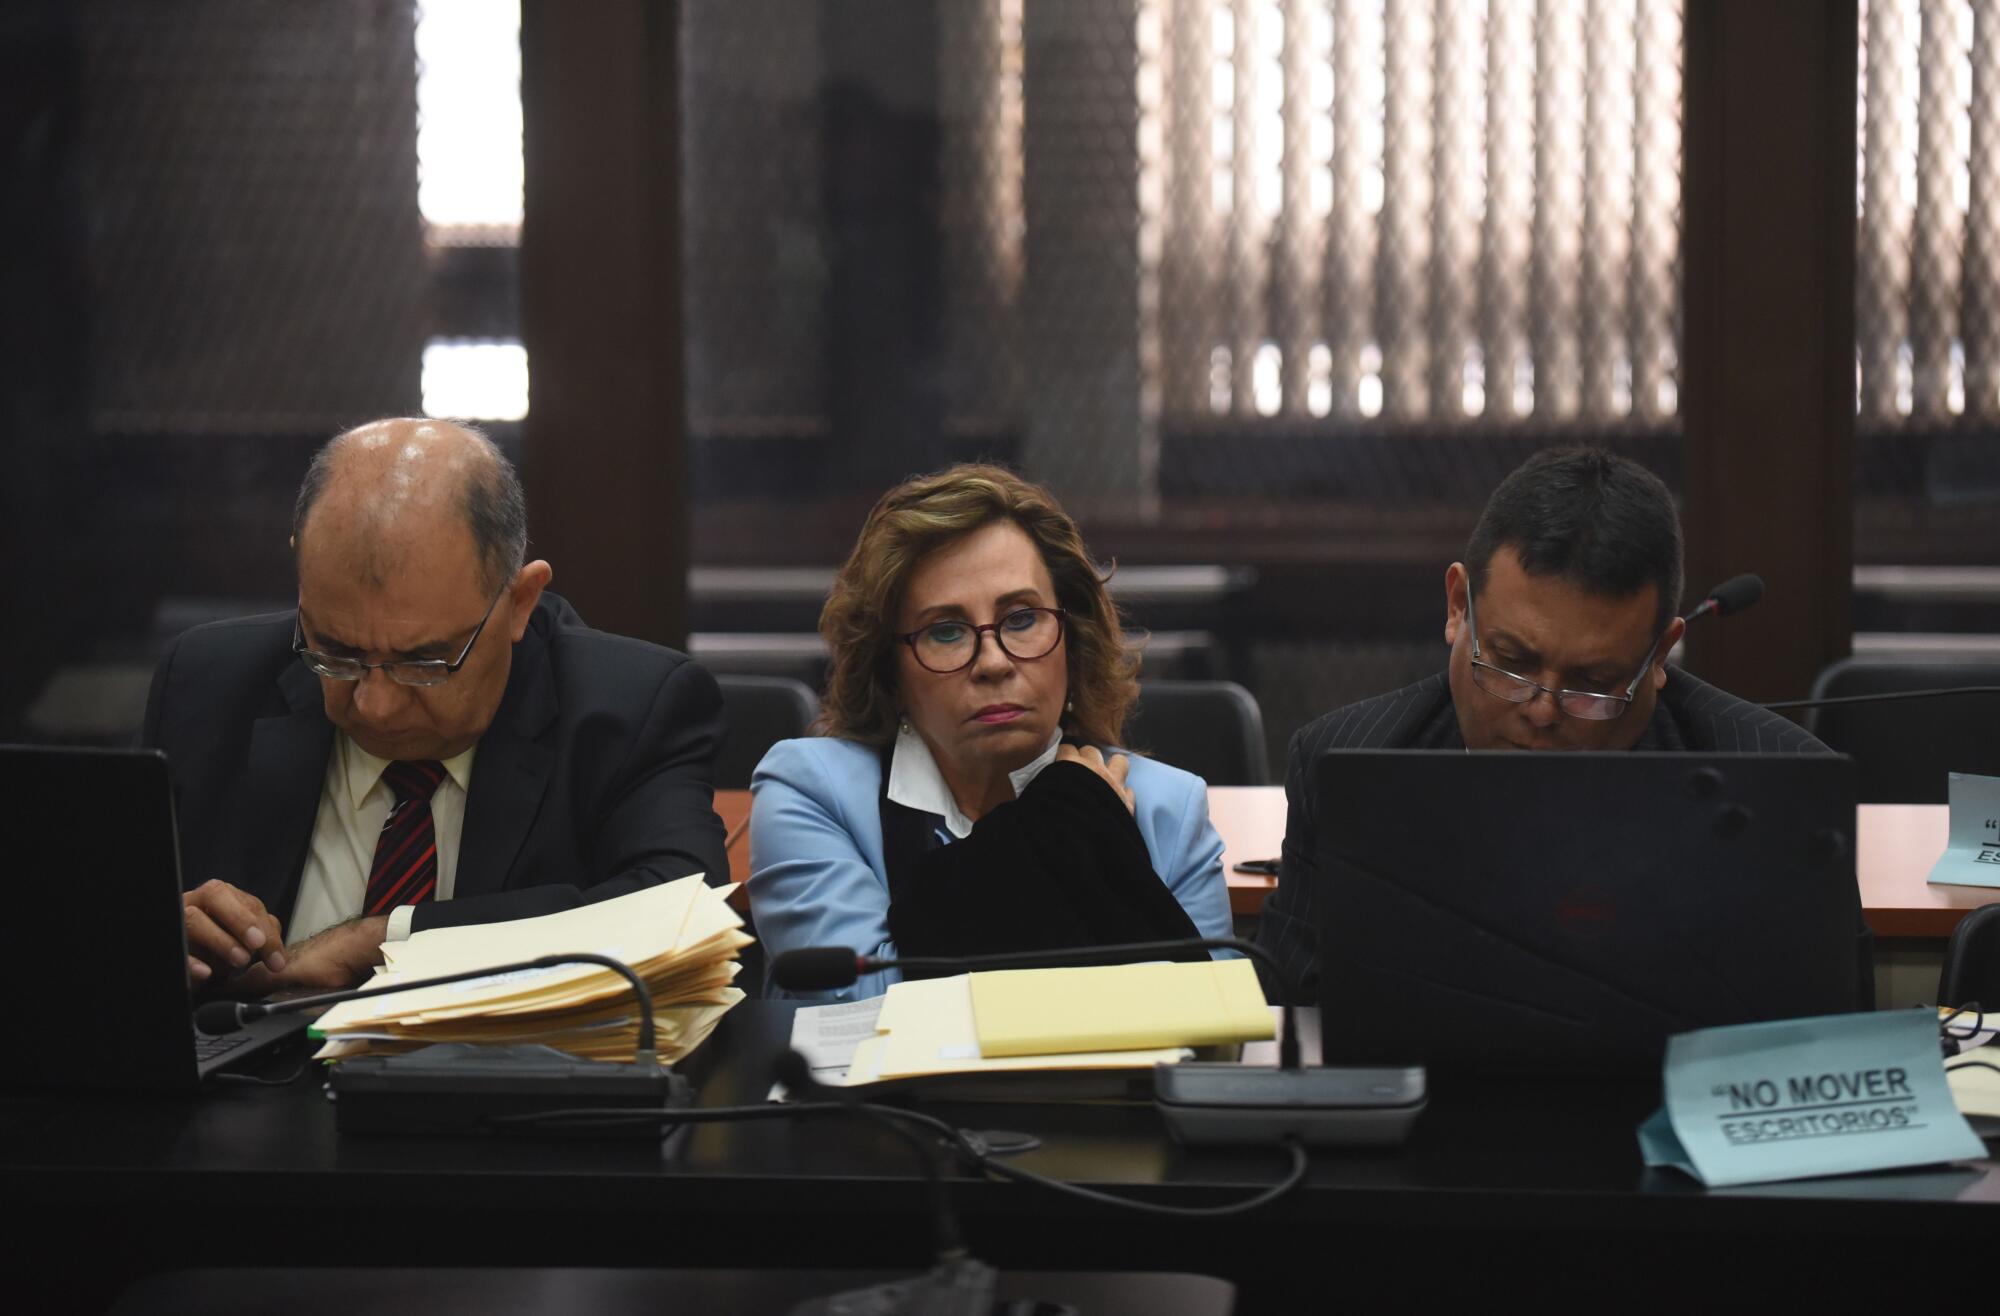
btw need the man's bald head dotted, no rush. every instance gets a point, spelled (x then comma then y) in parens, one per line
(385, 488)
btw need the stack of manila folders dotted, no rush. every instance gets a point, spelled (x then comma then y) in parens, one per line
(1105, 1019)
(681, 938)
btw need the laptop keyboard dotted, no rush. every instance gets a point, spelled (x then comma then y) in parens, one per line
(208, 1048)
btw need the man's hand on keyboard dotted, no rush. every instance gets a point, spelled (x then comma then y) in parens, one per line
(228, 932)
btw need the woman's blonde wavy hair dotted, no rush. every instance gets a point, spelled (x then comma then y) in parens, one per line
(913, 520)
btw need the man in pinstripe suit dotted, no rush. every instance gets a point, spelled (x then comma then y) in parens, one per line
(1559, 621)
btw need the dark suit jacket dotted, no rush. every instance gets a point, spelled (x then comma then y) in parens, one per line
(1690, 715)
(593, 780)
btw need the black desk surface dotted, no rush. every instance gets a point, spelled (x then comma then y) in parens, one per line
(1503, 1179)
(356, 1291)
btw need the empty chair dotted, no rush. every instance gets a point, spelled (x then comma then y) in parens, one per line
(1213, 729)
(1971, 973)
(757, 713)
(1905, 748)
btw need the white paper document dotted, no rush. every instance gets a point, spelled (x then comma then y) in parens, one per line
(826, 1035)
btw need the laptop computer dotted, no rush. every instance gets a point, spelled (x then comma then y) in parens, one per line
(94, 939)
(1567, 913)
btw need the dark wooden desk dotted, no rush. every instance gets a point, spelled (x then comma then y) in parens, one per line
(406, 1291)
(1523, 1184)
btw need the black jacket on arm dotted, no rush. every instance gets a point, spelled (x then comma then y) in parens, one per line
(594, 780)
(1690, 715)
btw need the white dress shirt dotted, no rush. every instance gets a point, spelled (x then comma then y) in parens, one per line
(354, 802)
(916, 782)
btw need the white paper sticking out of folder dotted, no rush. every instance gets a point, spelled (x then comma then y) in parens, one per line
(826, 1035)
(681, 938)
(925, 1027)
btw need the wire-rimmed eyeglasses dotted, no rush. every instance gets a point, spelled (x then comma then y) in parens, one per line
(1585, 704)
(403, 671)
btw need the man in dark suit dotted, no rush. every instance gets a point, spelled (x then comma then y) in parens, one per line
(1559, 622)
(429, 740)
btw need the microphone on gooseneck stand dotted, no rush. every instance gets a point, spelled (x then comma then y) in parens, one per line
(218, 1017)
(822, 968)
(959, 1282)
(1731, 596)
(1204, 1103)
(1739, 592)
(459, 1087)
(1885, 697)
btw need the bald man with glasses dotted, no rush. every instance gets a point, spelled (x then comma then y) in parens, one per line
(429, 739)
(1559, 621)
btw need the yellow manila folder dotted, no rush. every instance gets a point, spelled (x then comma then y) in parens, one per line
(1118, 1007)
(680, 937)
(925, 1029)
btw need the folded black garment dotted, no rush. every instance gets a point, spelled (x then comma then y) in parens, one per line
(1064, 865)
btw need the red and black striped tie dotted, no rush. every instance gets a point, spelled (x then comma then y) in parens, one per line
(406, 854)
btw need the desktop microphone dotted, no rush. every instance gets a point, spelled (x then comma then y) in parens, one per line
(218, 1017)
(821, 968)
(1203, 1103)
(457, 1087)
(1739, 592)
(958, 1281)
(1731, 596)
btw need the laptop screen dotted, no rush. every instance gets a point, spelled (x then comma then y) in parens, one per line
(95, 923)
(1511, 912)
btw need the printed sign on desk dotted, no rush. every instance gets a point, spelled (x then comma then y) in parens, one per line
(1972, 856)
(1800, 1098)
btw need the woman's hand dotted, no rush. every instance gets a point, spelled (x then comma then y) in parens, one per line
(1112, 772)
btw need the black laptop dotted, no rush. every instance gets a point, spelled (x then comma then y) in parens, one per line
(94, 938)
(1567, 913)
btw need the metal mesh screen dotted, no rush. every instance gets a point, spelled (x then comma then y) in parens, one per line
(1928, 163)
(756, 259)
(1287, 283)
(254, 249)
(1927, 282)
(232, 265)
(1444, 212)
(1151, 224)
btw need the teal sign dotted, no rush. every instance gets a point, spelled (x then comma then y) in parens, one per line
(1972, 856)
(1802, 1098)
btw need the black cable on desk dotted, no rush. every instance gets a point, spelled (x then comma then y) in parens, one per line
(585, 1118)
(1953, 1039)
(1978, 1019)
(992, 1164)
(1296, 1176)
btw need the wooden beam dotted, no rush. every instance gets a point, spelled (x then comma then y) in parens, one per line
(605, 442)
(1769, 335)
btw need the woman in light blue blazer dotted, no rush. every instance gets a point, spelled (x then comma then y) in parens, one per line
(965, 795)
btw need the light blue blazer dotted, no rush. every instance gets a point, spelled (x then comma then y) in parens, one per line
(816, 871)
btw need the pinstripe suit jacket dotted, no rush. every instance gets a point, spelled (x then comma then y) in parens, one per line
(1690, 715)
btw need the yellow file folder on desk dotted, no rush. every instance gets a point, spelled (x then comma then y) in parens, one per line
(680, 937)
(1118, 1007)
(925, 1030)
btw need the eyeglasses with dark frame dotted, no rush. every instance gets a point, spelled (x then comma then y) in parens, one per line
(1584, 704)
(1024, 635)
(403, 671)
